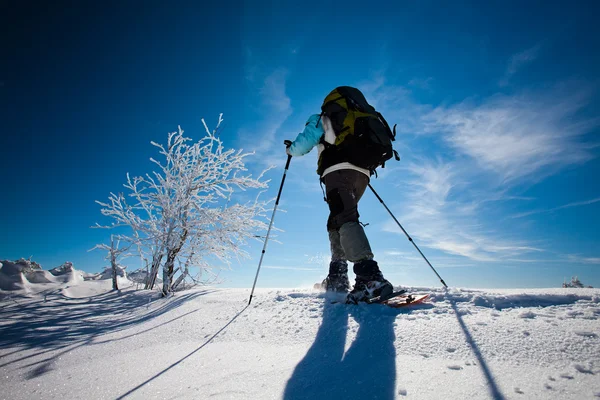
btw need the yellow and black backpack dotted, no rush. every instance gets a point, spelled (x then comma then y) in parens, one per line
(363, 136)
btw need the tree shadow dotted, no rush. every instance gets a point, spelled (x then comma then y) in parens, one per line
(64, 323)
(495, 392)
(131, 391)
(367, 370)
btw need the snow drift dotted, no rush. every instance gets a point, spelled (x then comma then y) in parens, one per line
(11, 276)
(26, 277)
(67, 273)
(16, 275)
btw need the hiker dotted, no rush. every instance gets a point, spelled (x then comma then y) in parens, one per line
(345, 183)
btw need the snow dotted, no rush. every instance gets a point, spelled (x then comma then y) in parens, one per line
(19, 277)
(79, 339)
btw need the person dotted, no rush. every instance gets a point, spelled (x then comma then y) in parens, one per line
(345, 184)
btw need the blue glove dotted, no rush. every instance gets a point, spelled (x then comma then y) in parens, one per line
(287, 143)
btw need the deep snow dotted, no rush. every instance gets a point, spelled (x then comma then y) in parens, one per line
(79, 340)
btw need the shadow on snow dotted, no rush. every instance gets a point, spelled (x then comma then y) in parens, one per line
(491, 382)
(131, 391)
(62, 323)
(367, 370)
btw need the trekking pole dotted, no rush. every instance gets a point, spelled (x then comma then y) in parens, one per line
(287, 165)
(408, 236)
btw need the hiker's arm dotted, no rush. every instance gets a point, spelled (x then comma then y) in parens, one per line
(308, 138)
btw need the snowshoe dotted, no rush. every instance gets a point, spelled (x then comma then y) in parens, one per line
(368, 288)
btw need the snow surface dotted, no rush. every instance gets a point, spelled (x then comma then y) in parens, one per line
(79, 340)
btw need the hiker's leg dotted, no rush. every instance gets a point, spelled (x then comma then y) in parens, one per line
(344, 188)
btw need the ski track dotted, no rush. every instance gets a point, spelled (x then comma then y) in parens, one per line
(293, 344)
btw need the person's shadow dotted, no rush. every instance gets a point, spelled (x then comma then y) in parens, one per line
(366, 371)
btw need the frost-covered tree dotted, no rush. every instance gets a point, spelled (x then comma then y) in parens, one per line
(115, 253)
(575, 283)
(183, 214)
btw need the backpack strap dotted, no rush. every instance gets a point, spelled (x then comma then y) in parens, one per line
(325, 143)
(384, 122)
(396, 155)
(322, 189)
(320, 116)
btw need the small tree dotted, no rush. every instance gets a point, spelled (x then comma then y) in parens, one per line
(181, 214)
(575, 283)
(115, 253)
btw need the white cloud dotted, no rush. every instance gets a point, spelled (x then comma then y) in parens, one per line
(273, 91)
(439, 219)
(583, 260)
(524, 136)
(518, 61)
(528, 135)
(591, 260)
(275, 108)
(570, 205)
(395, 103)
(488, 147)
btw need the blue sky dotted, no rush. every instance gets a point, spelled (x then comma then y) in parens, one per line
(496, 105)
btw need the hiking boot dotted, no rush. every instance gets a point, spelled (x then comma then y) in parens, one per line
(337, 279)
(369, 287)
(337, 283)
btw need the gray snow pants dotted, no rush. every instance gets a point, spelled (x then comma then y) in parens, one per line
(344, 188)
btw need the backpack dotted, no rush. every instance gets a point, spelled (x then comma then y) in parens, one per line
(363, 136)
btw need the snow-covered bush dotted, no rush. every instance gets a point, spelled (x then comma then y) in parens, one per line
(183, 215)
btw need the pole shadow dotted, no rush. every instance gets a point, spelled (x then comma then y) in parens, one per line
(495, 392)
(367, 370)
(131, 391)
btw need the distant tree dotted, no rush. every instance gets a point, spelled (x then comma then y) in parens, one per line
(575, 283)
(182, 215)
(115, 253)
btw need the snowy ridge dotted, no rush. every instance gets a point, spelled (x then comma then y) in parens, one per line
(512, 298)
(19, 280)
(296, 344)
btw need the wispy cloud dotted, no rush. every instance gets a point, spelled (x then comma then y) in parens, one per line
(443, 221)
(273, 91)
(570, 205)
(522, 136)
(269, 96)
(489, 146)
(575, 258)
(530, 134)
(518, 61)
(396, 103)
(421, 83)
(485, 148)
